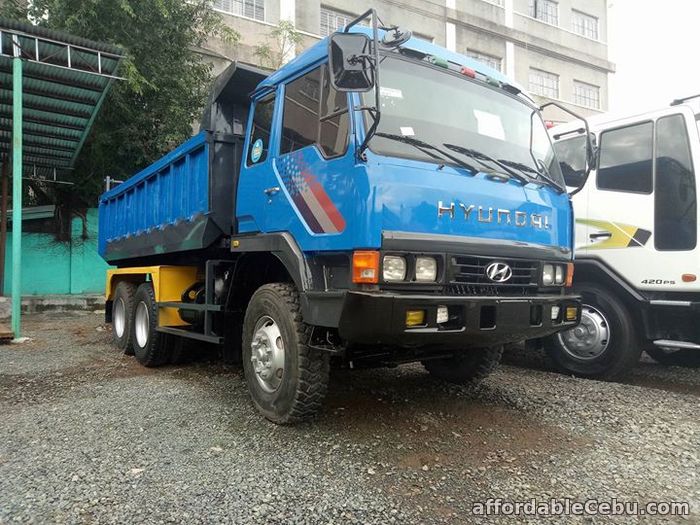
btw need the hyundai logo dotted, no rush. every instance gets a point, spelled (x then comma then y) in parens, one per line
(499, 272)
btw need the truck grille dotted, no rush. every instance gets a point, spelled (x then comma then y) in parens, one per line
(467, 276)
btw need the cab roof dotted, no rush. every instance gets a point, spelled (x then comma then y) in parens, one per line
(318, 53)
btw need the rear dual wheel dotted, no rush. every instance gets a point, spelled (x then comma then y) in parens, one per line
(122, 314)
(150, 347)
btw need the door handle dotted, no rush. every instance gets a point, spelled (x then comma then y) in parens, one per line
(595, 236)
(271, 191)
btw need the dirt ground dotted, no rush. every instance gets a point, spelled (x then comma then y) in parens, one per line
(88, 435)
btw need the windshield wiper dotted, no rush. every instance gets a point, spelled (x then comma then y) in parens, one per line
(543, 173)
(422, 145)
(482, 158)
(547, 175)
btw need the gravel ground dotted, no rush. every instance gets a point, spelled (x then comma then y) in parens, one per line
(88, 435)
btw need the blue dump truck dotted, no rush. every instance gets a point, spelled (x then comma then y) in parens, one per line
(378, 200)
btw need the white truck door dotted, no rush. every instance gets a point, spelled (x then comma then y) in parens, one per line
(642, 210)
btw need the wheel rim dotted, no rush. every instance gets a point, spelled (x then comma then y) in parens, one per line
(141, 324)
(119, 317)
(590, 339)
(267, 354)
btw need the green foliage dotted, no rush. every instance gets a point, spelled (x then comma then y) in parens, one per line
(281, 41)
(165, 87)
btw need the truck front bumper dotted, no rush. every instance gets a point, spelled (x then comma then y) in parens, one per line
(381, 318)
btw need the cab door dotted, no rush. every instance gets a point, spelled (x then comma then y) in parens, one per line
(312, 174)
(642, 211)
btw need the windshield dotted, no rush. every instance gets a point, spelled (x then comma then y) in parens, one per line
(441, 108)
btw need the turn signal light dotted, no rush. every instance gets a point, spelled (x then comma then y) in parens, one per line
(571, 313)
(569, 275)
(365, 267)
(688, 277)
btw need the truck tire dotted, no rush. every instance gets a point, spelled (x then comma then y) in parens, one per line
(682, 357)
(605, 345)
(469, 366)
(122, 312)
(286, 379)
(150, 346)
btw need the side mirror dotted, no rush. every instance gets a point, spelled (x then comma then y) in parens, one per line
(350, 60)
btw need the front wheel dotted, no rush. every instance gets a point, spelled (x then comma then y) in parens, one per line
(604, 345)
(286, 379)
(469, 366)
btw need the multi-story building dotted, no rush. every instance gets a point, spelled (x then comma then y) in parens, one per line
(555, 49)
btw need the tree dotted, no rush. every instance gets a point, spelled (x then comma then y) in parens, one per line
(281, 41)
(165, 87)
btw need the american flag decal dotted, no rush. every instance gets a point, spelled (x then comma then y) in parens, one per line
(312, 201)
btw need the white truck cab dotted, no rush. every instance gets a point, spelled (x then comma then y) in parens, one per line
(637, 258)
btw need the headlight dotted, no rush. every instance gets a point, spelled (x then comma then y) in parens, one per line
(394, 268)
(553, 274)
(559, 274)
(548, 274)
(426, 269)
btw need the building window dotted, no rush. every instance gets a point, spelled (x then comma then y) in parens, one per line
(543, 83)
(500, 3)
(584, 24)
(545, 10)
(489, 60)
(250, 8)
(586, 95)
(332, 20)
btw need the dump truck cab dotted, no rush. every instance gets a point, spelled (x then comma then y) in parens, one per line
(390, 201)
(445, 186)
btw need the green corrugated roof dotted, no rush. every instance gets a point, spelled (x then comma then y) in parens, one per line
(65, 80)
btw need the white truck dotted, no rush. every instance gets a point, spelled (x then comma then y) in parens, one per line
(637, 259)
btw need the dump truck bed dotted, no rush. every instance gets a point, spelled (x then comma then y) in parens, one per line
(185, 200)
(173, 205)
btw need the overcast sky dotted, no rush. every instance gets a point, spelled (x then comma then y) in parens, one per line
(654, 46)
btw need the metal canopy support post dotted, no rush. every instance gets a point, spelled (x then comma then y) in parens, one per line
(16, 188)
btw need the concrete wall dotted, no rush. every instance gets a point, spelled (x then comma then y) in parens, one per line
(50, 267)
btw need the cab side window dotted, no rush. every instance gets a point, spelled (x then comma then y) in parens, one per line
(572, 160)
(333, 132)
(626, 159)
(675, 199)
(301, 105)
(260, 134)
(307, 100)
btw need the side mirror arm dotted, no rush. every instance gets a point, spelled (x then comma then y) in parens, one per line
(591, 149)
(375, 112)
